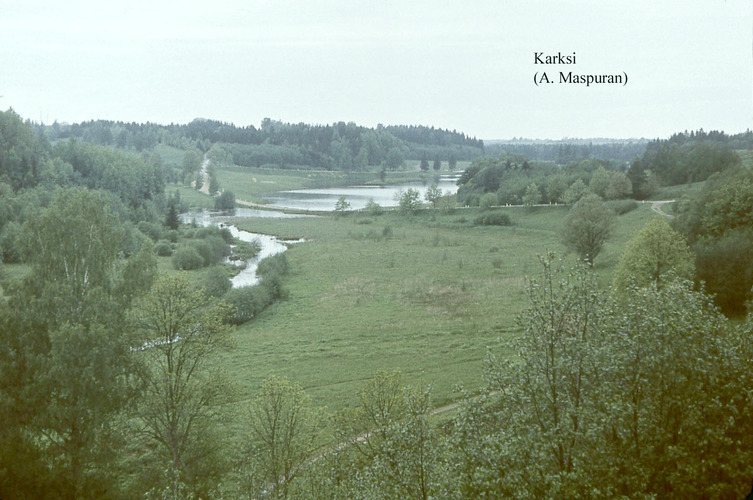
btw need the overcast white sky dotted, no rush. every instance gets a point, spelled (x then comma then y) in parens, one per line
(465, 65)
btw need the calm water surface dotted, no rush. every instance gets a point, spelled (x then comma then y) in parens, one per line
(324, 199)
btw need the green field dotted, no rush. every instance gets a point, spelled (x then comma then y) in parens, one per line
(429, 300)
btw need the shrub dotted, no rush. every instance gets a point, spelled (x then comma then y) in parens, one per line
(216, 282)
(212, 249)
(493, 219)
(621, 207)
(225, 201)
(154, 231)
(172, 236)
(220, 232)
(247, 302)
(373, 208)
(245, 250)
(187, 258)
(163, 248)
(488, 201)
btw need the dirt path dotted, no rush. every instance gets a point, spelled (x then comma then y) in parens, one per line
(656, 206)
(204, 175)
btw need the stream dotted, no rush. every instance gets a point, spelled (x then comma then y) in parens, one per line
(268, 245)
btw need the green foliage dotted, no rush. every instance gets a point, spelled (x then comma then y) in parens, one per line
(493, 219)
(216, 281)
(181, 335)
(191, 162)
(247, 302)
(67, 373)
(342, 205)
(390, 428)
(433, 194)
(487, 201)
(284, 429)
(718, 222)
(135, 181)
(725, 265)
(212, 249)
(655, 255)
(150, 229)
(138, 275)
(621, 207)
(437, 164)
(72, 246)
(163, 248)
(409, 201)
(609, 400)
(532, 195)
(225, 201)
(171, 218)
(21, 153)
(373, 208)
(681, 159)
(9, 242)
(588, 225)
(214, 184)
(187, 258)
(575, 192)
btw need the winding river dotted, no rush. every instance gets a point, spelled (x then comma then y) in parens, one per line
(268, 245)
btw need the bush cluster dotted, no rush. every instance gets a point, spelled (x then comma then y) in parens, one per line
(621, 207)
(208, 247)
(493, 219)
(249, 301)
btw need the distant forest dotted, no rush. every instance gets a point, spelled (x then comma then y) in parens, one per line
(340, 146)
(567, 151)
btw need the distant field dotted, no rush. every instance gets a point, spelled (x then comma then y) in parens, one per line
(429, 300)
(170, 155)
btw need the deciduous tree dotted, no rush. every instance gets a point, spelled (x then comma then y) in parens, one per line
(588, 225)
(657, 253)
(180, 335)
(284, 429)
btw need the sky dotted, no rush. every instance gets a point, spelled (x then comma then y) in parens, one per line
(459, 65)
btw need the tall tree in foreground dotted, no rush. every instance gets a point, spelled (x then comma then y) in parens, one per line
(551, 395)
(283, 431)
(180, 336)
(612, 399)
(66, 363)
(73, 247)
(588, 225)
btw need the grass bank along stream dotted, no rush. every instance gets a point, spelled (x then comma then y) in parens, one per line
(425, 294)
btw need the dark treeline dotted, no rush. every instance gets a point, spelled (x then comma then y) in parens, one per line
(567, 151)
(685, 158)
(339, 146)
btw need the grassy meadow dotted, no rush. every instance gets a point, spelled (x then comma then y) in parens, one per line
(427, 295)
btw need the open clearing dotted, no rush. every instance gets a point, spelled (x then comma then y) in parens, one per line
(427, 295)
